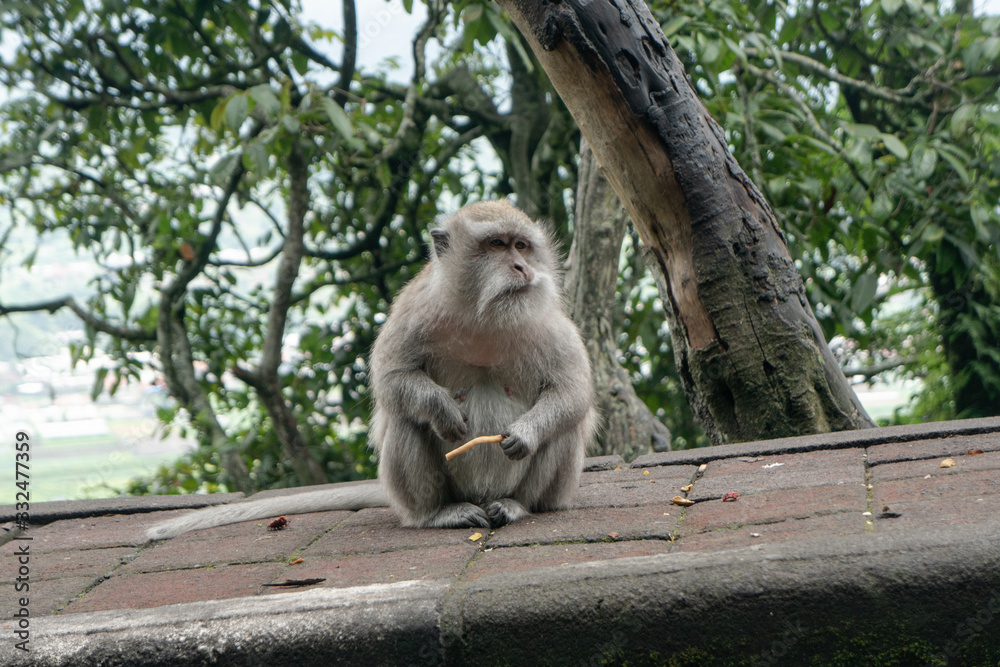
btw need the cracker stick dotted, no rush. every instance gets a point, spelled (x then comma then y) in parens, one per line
(472, 443)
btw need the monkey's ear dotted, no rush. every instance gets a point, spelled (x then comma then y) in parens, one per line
(441, 240)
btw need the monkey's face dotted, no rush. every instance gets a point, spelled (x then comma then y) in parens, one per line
(499, 260)
(506, 271)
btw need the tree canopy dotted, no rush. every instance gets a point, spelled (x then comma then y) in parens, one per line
(254, 198)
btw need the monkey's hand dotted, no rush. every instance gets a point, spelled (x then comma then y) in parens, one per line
(449, 422)
(517, 445)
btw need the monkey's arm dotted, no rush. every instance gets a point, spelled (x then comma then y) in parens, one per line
(411, 392)
(563, 404)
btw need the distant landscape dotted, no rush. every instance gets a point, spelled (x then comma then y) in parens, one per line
(79, 448)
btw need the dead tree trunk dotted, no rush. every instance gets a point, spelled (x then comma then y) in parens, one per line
(629, 428)
(751, 355)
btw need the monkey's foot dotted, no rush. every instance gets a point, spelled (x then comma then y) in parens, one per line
(505, 511)
(460, 515)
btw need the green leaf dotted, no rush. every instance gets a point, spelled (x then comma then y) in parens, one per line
(923, 160)
(957, 165)
(675, 25)
(95, 389)
(266, 101)
(223, 168)
(932, 233)
(736, 49)
(863, 291)
(890, 7)
(338, 117)
(711, 52)
(863, 131)
(218, 115)
(895, 146)
(237, 110)
(256, 159)
(300, 62)
(961, 119)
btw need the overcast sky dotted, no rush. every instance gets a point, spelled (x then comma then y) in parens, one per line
(386, 30)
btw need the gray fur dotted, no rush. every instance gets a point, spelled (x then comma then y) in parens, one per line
(478, 343)
(352, 497)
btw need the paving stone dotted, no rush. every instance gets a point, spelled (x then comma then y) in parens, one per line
(772, 506)
(72, 563)
(155, 589)
(383, 568)
(680, 475)
(929, 449)
(57, 510)
(589, 525)
(811, 528)
(932, 466)
(603, 463)
(796, 542)
(377, 530)
(627, 494)
(508, 559)
(244, 542)
(754, 474)
(116, 530)
(630, 487)
(941, 486)
(924, 515)
(44, 598)
(869, 437)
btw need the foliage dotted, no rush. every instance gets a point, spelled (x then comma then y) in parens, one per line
(873, 129)
(162, 138)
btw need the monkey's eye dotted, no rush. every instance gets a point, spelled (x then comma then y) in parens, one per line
(497, 243)
(521, 245)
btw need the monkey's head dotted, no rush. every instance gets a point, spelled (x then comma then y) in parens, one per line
(496, 260)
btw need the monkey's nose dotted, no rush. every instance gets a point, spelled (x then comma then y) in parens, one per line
(524, 270)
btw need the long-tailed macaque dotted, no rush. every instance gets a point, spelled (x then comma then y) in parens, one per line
(478, 343)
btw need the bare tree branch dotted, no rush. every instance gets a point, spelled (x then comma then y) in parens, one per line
(903, 96)
(868, 372)
(265, 378)
(97, 324)
(347, 67)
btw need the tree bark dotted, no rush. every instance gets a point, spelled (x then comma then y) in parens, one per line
(750, 353)
(265, 379)
(629, 427)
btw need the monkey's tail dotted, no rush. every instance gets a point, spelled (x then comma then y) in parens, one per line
(348, 497)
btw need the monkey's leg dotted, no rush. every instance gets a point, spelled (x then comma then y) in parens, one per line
(413, 475)
(552, 478)
(504, 511)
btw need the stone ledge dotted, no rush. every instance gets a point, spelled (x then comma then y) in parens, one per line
(57, 510)
(822, 441)
(930, 594)
(867, 551)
